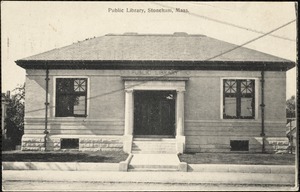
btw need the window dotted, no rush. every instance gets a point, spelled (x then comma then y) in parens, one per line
(71, 97)
(239, 145)
(238, 99)
(69, 143)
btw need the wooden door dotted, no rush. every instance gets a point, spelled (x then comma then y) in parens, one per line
(154, 113)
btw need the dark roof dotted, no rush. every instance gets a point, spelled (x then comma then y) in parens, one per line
(148, 47)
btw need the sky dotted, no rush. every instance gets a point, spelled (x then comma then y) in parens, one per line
(29, 28)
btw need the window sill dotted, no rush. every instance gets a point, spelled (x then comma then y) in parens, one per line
(240, 120)
(69, 118)
(239, 151)
(83, 117)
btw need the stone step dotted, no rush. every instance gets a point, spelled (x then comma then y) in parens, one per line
(153, 149)
(152, 170)
(152, 166)
(154, 162)
(154, 145)
(154, 152)
(149, 151)
(155, 139)
(154, 142)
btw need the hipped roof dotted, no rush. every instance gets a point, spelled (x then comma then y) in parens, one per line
(132, 48)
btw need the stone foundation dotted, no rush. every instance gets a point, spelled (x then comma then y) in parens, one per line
(33, 143)
(100, 144)
(277, 144)
(53, 143)
(115, 143)
(86, 143)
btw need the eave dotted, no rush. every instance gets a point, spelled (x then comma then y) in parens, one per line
(156, 65)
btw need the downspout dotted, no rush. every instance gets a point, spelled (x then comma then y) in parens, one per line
(262, 106)
(46, 109)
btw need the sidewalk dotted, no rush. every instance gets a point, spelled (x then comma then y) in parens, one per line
(97, 186)
(150, 177)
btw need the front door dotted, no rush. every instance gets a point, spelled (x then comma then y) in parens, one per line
(154, 113)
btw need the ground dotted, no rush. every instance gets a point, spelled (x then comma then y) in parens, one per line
(86, 186)
(29, 180)
(71, 156)
(238, 158)
(118, 156)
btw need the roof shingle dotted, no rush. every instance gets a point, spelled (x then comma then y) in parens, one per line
(149, 47)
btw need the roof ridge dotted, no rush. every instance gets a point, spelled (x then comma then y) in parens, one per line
(175, 34)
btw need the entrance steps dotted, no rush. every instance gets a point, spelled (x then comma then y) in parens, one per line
(154, 162)
(154, 146)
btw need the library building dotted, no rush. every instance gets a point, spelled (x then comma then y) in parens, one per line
(155, 93)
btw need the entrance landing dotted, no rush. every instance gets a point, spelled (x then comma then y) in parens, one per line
(154, 162)
(154, 146)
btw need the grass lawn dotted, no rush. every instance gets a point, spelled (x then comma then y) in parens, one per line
(72, 156)
(238, 158)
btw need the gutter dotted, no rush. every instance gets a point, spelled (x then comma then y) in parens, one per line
(46, 108)
(262, 106)
(158, 64)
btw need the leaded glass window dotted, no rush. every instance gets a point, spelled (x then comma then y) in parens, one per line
(238, 99)
(71, 97)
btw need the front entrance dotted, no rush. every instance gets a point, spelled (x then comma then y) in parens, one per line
(154, 113)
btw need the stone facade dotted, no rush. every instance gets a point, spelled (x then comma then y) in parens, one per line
(87, 143)
(100, 144)
(277, 145)
(33, 143)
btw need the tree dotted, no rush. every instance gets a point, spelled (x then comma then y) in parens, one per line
(291, 107)
(14, 122)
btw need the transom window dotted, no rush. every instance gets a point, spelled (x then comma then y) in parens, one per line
(238, 99)
(71, 97)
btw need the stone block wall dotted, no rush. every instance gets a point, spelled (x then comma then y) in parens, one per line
(277, 144)
(33, 143)
(100, 144)
(53, 143)
(87, 143)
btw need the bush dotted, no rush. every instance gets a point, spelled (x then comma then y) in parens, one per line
(7, 145)
(14, 121)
